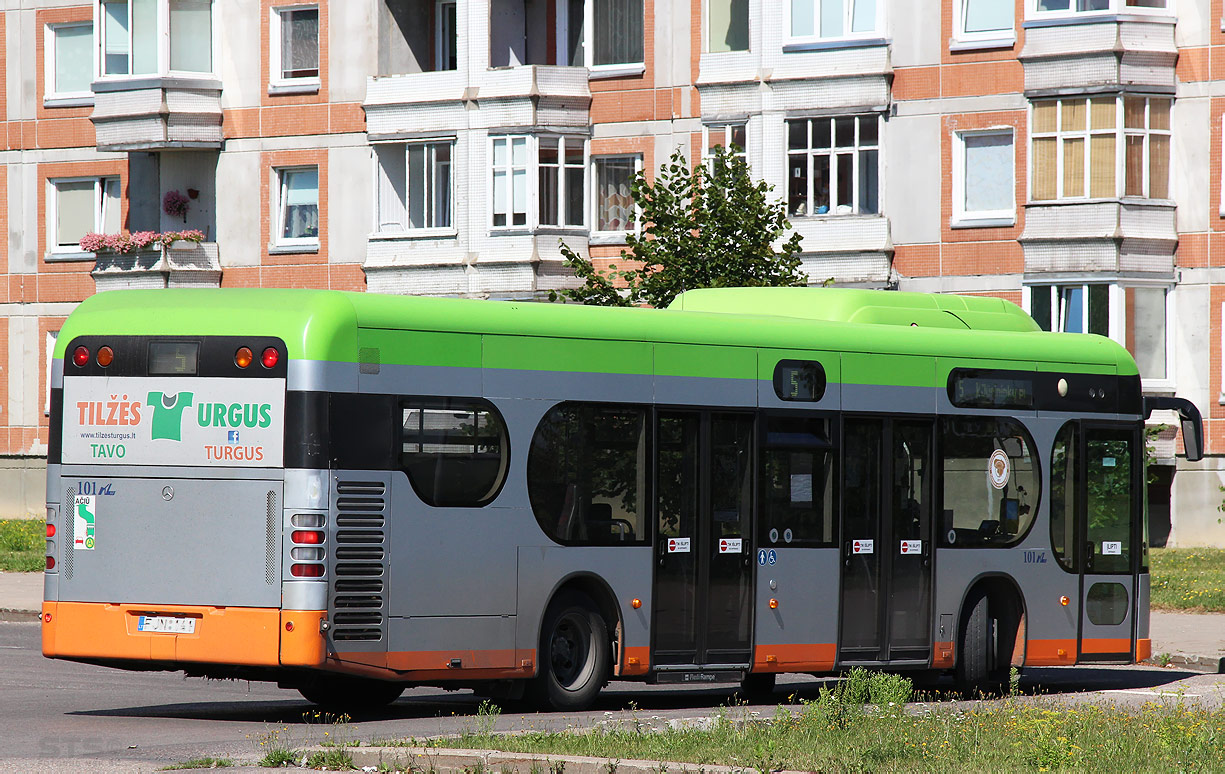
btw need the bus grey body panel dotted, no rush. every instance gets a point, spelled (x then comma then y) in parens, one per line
(176, 541)
(805, 582)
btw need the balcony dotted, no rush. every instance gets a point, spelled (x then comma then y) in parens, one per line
(1099, 53)
(415, 104)
(181, 265)
(155, 113)
(1128, 237)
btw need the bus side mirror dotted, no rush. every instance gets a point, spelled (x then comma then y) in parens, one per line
(1188, 417)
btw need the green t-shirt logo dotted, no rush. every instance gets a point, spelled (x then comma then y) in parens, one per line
(168, 414)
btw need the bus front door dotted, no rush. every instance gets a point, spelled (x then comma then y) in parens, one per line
(888, 480)
(1109, 513)
(702, 600)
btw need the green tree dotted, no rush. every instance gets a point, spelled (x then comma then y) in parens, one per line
(705, 227)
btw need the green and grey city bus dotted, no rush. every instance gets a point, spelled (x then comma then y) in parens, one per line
(351, 493)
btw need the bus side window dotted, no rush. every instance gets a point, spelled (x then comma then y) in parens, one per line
(991, 482)
(586, 474)
(454, 450)
(797, 474)
(1063, 496)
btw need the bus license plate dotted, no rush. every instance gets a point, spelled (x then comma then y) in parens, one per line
(166, 624)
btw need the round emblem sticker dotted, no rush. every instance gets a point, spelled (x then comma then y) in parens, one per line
(998, 469)
(774, 536)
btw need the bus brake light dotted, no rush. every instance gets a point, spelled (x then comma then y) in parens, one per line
(80, 356)
(306, 570)
(306, 537)
(270, 357)
(50, 530)
(50, 562)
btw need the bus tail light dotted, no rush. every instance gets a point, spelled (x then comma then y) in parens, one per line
(243, 357)
(306, 570)
(50, 562)
(106, 356)
(307, 537)
(270, 357)
(50, 530)
(80, 356)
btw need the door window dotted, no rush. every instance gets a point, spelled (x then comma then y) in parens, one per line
(1109, 504)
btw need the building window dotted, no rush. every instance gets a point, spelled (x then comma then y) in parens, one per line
(414, 190)
(734, 137)
(833, 166)
(727, 25)
(982, 20)
(1101, 147)
(1135, 316)
(613, 201)
(561, 168)
(295, 44)
(297, 210)
(152, 37)
(615, 26)
(983, 189)
(1070, 7)
(81, 206)
(823, 19)
(509, 169)
(446, 38)
(69, 61)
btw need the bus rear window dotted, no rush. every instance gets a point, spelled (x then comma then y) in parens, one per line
(173, 358)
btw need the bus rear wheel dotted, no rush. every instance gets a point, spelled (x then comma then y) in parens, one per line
(982, 666)
(574, 654)
(350, 693)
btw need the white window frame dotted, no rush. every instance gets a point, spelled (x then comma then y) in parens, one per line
(291, 244)
(163, 45)
(277, 83)
(848, 15)
(607, 237)
(706, 30)
(617, 70)
(405, 230)
(1116, 314)
(48, 364)
(563, 141)
(442, 35)
(832, 152)
(1120, 133)
(509, 168)
(965, 41)
(724, 128)
(1113, 7)
(51, 97)
(963, 218)
(69, 252)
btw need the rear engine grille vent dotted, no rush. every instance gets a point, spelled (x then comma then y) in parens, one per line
(359, 573)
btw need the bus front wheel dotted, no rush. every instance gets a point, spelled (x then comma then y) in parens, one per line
(349, 693)
(574, 654)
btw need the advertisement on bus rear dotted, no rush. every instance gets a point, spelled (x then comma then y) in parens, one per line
(182, 421)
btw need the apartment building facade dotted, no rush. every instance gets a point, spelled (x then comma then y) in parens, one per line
(1062, 154)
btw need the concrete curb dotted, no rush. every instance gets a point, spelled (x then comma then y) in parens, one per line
(444, 761)
(20, 616)
(1213, 665)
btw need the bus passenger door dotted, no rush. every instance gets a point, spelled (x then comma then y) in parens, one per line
(702, 613)
(1109, 516)
(885, 604)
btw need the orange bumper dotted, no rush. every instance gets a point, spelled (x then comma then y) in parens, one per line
(240, 636)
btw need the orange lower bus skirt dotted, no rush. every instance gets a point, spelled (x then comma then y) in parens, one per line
(239, 636)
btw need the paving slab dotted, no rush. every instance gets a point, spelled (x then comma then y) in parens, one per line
(21, 593)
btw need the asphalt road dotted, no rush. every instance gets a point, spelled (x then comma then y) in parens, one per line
(57, 716)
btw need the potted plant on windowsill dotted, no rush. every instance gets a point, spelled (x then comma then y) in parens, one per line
(140, 241)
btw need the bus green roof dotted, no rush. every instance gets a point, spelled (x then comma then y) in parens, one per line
(323, 325)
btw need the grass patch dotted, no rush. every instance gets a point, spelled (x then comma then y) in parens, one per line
(1191, 579)
(330, 760)
(200, 763)
(22, 545)
(835, 733)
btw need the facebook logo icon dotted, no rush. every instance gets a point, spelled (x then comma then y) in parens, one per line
(232, 437)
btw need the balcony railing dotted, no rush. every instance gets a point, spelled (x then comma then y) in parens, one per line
(181, 265)
(157, 113)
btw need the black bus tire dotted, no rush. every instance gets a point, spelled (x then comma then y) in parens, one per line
(350, 693)
(758, 686)
(574, 654)
(976, 670)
